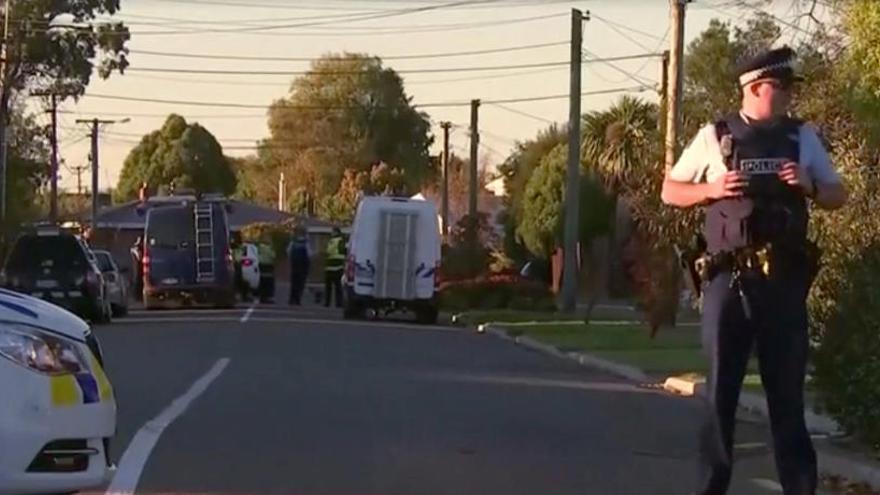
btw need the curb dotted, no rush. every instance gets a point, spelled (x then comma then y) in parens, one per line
(829, 461)
(753, 403)
(621, 370)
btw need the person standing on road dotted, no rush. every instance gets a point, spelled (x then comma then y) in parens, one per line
(267, 271)
(755, 171)
(137, 268)
(334, 264)
(299, 257)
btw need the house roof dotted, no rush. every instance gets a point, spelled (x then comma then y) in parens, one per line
(132, 215)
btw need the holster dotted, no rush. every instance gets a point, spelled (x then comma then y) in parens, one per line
(688, 264)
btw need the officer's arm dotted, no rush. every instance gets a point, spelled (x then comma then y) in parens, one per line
(684, 194)
(681, 186)
(830, 193)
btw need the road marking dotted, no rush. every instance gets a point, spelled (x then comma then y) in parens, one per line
(248, 313)
(138, 452)
(767, 484)
(750, 445)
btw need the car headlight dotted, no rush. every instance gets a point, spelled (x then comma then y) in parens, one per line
(40, 351)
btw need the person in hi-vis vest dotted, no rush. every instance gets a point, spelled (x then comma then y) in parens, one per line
(333, 267)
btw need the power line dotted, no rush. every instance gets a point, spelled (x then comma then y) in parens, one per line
(340, 72)
(345, 107)
(323, 6)
(322, 31)
(629, 75)
(310, 59)
(399, 71)
(409, 82)
(521, 113)
(624, 26)
(349, 18)
(623, 34)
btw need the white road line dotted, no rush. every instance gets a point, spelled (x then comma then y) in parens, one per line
(768, 484)
(138, 452)
(248, 313)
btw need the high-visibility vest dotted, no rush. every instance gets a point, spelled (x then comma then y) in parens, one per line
(267, 254)
(335, 257)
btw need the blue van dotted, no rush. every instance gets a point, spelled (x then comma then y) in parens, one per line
(187, 257)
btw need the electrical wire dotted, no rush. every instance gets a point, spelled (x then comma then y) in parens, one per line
(387, 57)
(521, 113)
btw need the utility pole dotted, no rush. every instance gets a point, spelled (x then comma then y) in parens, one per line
(475, 143)
(676, 76)
(573, 174)
(79, 171)
(53, 182)
(94, 156)
(4, 118)
(281, 199)
(663, 91)
(444, 200)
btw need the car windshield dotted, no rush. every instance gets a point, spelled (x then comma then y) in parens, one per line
(33, 253)
(104, 261)
(170, 227)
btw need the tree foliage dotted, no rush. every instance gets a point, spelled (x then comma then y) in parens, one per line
(541, 226)
(179, 154)
(55, 45)
(349, 112)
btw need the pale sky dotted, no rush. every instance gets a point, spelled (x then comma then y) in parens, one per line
(618, 28)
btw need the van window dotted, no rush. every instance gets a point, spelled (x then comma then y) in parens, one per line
(169, 227)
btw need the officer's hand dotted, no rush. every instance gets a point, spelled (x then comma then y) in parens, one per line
(729, 185)
(795, 175)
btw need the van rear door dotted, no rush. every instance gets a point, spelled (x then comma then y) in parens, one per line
(170, 242)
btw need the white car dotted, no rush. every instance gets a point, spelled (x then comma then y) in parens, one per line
(250, 266)
(58, 408)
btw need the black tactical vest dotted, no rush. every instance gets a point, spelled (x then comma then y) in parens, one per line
(771, 211)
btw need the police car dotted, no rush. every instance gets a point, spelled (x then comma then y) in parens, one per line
(58, 408)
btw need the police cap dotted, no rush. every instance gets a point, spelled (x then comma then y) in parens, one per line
(776, 64)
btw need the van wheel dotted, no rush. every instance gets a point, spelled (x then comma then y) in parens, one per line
(427, 315)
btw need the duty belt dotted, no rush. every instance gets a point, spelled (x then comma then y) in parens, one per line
(747, 259)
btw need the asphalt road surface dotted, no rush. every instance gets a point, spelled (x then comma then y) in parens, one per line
(272, 400)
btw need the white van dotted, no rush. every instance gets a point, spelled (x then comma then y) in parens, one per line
(393, 258)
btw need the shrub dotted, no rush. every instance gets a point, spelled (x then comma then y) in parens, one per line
(496, 291)
(847, 365)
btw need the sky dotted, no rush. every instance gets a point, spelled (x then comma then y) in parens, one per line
(310, 28)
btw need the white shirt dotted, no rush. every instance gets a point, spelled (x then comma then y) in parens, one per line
(701, 160)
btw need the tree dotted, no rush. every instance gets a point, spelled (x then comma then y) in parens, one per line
(517, 169)
(540, 228)
(710, 86)
(28, 169)
(55, 45)
(349, 112)
(178, 155)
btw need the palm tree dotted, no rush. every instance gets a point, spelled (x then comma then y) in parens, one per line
(621, 147)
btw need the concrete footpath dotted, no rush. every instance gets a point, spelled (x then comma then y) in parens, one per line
(833, 460)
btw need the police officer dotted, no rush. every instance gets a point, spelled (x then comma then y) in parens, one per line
(299, 257)
(756, 171)
(334, 264)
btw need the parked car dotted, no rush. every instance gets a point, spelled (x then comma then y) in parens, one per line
(115, 281)
(393, 258)
(250, 266)
(51, 368)
(56, 266)
(187, 255)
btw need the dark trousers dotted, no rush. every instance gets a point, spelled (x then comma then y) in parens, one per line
(267, 282)
(333, 286)
(298, 275)
(777, 329)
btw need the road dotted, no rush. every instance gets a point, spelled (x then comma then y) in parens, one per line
(272, 400)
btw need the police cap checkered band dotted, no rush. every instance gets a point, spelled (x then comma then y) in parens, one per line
(772, 64)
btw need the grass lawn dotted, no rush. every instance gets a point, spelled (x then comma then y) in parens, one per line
(672, 351)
